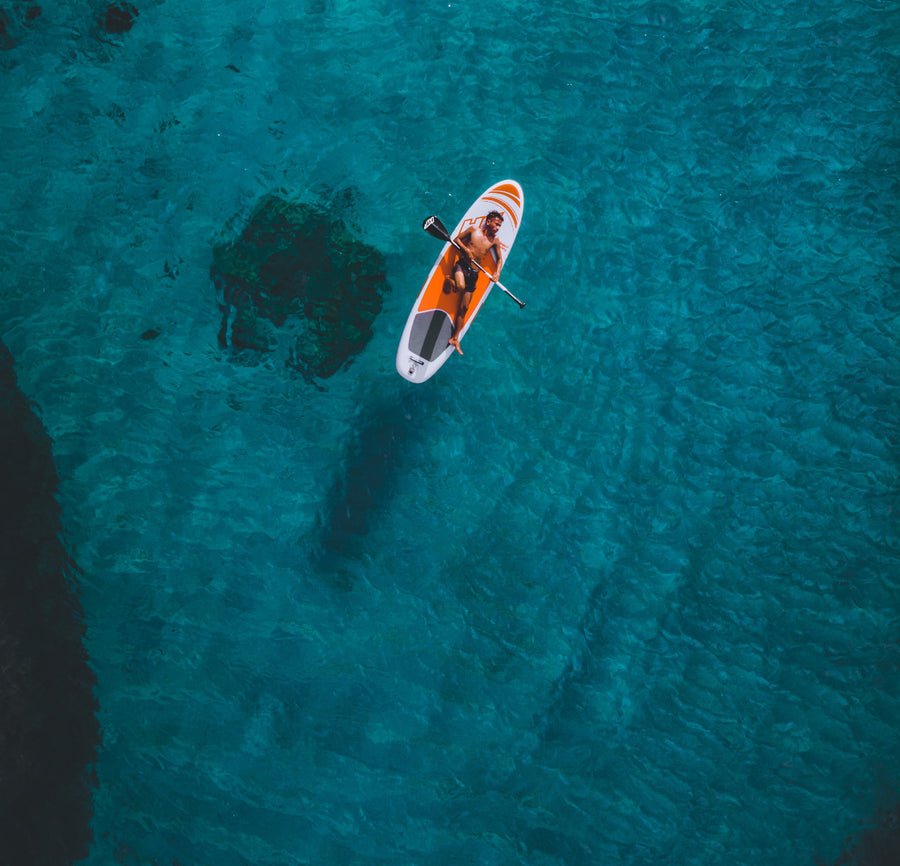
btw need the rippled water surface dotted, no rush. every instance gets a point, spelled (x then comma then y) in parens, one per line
(620, 585)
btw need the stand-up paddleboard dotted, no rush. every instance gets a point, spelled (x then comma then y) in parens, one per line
(424, 346)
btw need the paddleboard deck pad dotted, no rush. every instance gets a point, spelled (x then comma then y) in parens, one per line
(424, 345)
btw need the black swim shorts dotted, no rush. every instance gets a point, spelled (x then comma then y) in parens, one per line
(470, 272)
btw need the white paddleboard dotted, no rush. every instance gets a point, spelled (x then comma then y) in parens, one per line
(424, 345)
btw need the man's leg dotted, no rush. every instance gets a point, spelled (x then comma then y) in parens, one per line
(460, 318)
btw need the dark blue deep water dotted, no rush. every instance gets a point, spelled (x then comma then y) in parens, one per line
(619, 586)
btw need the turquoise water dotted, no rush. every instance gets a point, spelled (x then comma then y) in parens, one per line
(619, 586)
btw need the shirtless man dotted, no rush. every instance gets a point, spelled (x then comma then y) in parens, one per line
(474, 242)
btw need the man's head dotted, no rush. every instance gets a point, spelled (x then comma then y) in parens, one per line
(492, 223)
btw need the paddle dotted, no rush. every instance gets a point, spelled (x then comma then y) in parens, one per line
(436, 229)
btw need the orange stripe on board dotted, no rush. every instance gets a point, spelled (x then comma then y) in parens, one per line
(516, 202)
(510, 190)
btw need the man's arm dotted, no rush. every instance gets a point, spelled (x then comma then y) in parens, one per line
(499, 260)
(463, 239)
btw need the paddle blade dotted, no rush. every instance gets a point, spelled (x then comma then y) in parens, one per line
(436, 228)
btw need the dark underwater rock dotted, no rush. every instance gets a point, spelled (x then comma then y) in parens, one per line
(119, 18)
(298, 279)
(49, 734)
(7, 41)
(13, 25)
(878, 844)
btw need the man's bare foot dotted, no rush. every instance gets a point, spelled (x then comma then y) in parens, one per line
(453, 341)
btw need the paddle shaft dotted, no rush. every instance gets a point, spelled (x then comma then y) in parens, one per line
(436, 229)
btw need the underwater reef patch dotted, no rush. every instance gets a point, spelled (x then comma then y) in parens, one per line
(298, 283)
(22, 17)
(119, 18)
(878, 843)
(6, 38)
(49, 733)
